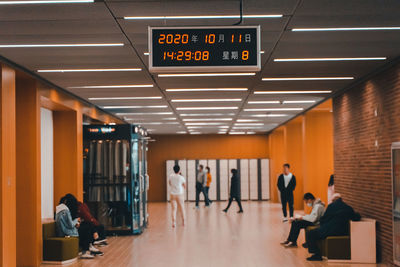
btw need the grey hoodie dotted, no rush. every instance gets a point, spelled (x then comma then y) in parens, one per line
(318, 210)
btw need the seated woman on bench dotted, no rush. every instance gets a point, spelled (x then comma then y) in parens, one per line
(66, 226)
(302, 222)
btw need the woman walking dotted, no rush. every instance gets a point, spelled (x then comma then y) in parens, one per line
(177, 185)
(235, 191)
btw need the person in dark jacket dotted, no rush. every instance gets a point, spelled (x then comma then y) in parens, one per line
(85, 214)
(286, 185)
(334, 222)
(235, 191)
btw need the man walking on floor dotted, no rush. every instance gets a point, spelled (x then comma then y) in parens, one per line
(286, 186)
(200, 186)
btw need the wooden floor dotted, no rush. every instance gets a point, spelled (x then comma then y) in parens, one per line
(210, 238)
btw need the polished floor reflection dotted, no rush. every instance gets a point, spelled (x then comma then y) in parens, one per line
(210, 238)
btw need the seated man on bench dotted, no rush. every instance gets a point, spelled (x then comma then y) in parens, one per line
(335, 222)
(302, 222)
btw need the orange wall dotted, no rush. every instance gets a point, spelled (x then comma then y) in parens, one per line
(7, 168)
(306, 143)
(29, 234)
(167, 147)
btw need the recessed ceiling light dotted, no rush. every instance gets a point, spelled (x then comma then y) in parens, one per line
(307, 78)
(292, 92)
(195, 132)
(205, 108)
(208, 100)
(246, 120)
(111, 86)
(169, 119)
(250, 132)
(273, 109)
(146, 53)
(205, 89)
(327, 59)
(298, 101)
(44, 2)
(346, 29)
(267, 115)
(142, 113)
(57, 45)
(91, 70)
(207, 74)
(118, 107)
(246, 127)
(205, 124)
(158, 123)
(249, 124)
(207, 114)
(209, 119)
(237, 132)
(265, 102)
(203, 17)
(126, 98)
(181, 132)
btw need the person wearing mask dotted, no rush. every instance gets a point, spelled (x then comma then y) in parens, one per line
(200, 186)
(85, 226)
(99, 234)
(334, 222)
(331, 188)
(209, 180)
(303, 222)
(235, 191)
(177, 186)
(66, 226)
(286, 185)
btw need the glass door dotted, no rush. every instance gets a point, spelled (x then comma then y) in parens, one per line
(136, 226)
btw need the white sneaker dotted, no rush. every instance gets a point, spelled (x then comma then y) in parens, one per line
(87, 255)
(285, 219)
(100, 242)
(93, 249)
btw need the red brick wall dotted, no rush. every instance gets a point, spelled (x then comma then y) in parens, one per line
(363, 115)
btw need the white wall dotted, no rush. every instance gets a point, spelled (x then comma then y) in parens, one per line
(46, 119)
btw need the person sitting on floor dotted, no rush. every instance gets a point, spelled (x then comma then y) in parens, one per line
(335, 222)
(66, 226)
(302, 222)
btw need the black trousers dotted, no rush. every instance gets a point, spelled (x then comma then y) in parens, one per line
(85, 231)
(312, 238)
(237, 200)
(287, 198)
(207, 188)
(297, 225)
(100, 230)
(201, 189)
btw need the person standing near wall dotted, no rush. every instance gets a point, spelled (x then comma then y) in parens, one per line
(200, 186)
(331, 188)
(235, 191)
(286, 185)
(177, 185)
(209, 180)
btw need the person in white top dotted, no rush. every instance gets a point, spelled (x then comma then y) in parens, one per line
(177, 186)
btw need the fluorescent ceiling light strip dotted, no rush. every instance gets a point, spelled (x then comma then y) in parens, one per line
(125, 98)
(327, 59)
(208, 100)
(249, 124)
(205, 124)
(142, 113)
(250, 132)
(237, 132)
(209, 119)
(298, 101)
(207, 74)
(44, 2)
(273, 109)
(203, 17)
(267, 115)
(158, 123)
(90, 70)
(265, 102)
(207, 114)
(195, 132)
(307, 78)
(56, 45)
(292, 92)
(205, 108)
(246, 120)
(346, 29)
(118, 107)
(205, 89)
(247, 128)
(181, 132)
(112, 86)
